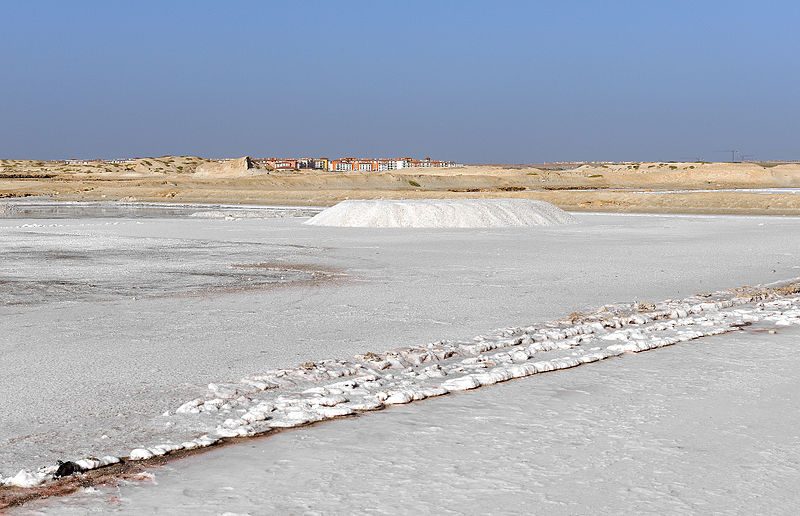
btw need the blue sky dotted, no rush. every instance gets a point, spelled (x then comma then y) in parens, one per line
(473, 81)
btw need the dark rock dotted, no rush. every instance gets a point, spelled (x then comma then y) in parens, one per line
(66, 469)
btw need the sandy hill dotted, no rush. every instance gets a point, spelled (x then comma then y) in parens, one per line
(165, 165)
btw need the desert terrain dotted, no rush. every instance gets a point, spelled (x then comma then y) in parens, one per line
(399, 258)
(700, 187)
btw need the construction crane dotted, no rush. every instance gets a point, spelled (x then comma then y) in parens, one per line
(733, 154)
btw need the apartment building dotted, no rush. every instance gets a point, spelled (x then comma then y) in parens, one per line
(276, 163)
(313, 163)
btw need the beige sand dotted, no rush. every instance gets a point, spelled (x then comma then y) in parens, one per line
(174, 178)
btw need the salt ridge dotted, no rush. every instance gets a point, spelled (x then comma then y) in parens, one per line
(317, 391)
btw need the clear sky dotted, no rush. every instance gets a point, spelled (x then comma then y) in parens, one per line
(473, 81)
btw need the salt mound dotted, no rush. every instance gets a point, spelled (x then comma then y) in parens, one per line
(442, 213)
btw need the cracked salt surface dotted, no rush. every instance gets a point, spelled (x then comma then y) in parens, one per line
(328, 389)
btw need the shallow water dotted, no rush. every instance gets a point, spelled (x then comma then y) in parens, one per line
(36, 270)
(45, 209)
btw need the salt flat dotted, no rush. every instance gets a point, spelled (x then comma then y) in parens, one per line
(109, 323)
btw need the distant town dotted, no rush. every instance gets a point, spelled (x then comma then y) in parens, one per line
(332, 165)
(349, 164)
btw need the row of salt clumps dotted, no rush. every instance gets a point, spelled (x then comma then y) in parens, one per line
(323, 405)
(506, 372)
(308, 409)
(29, 479)
(514, 370)
(371, 391)
(228, 396)
(304, 411)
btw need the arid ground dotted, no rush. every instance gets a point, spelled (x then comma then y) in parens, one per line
(751, 188)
